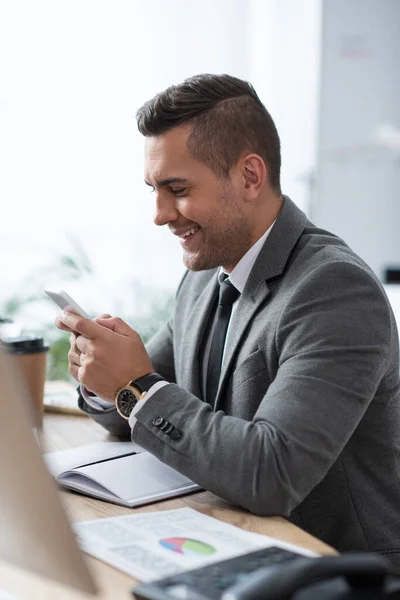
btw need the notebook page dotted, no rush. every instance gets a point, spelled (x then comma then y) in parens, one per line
(64, 460)
(135, 476)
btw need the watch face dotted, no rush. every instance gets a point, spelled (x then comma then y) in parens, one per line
(125, 402)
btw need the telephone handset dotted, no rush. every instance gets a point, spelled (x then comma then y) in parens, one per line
(365, 576)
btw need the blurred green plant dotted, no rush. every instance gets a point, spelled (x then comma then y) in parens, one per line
(71, 267)
(57, 363)
(74, 266)
(159, 314)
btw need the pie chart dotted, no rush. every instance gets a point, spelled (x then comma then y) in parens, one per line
(187, 546)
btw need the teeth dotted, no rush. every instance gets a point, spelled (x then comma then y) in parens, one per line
(193, 230)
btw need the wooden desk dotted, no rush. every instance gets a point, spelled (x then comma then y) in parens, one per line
(61, 432)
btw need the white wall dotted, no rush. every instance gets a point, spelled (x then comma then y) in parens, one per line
(358, 185)
(284, 55)
(72, 76)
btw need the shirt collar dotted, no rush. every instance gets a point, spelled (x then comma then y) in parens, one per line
(241, 272)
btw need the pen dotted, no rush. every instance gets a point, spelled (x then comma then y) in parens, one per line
(97, 462)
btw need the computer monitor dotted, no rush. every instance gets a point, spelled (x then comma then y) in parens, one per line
(34, 531)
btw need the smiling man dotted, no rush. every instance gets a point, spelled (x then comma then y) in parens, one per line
(207, 210)
(276, 383)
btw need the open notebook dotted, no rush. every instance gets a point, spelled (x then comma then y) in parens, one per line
(119, 472)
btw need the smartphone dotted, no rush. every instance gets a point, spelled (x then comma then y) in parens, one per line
(62, 299)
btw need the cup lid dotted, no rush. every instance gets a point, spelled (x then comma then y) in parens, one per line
(24, 345)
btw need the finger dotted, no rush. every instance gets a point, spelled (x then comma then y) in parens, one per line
(115, 324)
(74, 364)
(101, 319)
(84, 346)
(72, 344)
(61, 325)
(74, 358)
(74, 372)
(81, 325)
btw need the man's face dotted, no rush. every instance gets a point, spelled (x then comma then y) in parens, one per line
(205, 212)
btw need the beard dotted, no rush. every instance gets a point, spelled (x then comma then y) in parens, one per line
(226, 236)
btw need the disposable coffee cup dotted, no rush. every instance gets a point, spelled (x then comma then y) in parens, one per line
(28, 354)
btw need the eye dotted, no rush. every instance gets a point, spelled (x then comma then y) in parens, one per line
(178, 191)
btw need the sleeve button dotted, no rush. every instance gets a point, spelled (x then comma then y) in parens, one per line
(175, 434)
(158, 421)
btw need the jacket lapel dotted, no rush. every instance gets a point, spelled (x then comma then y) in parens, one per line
(199, 317)
(270, 263)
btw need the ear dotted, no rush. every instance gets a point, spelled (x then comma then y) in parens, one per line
(253, 172)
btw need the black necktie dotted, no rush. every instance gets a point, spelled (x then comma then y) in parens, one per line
(227, 296)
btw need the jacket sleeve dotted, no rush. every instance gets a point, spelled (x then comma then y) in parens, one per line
(334, 338)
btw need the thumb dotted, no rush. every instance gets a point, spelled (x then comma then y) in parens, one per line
(115, 324)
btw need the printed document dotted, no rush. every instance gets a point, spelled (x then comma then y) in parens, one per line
(152, 545)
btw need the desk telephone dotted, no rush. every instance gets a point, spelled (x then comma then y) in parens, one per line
(277, 574)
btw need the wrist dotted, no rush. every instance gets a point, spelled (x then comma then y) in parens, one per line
(128, 396)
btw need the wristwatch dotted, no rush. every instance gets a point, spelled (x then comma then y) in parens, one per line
(130, 394)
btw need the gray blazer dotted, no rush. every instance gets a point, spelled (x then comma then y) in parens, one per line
(307, 417)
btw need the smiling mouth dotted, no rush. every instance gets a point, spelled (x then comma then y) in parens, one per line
(189, 233)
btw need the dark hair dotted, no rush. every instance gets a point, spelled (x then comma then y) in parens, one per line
(226, 118)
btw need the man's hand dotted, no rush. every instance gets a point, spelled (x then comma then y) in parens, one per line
(105, 353)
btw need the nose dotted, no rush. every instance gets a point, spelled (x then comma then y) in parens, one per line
(166, 211)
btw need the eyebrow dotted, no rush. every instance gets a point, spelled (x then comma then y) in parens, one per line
(168, 181)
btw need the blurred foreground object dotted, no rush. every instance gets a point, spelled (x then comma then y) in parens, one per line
(28, 356)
